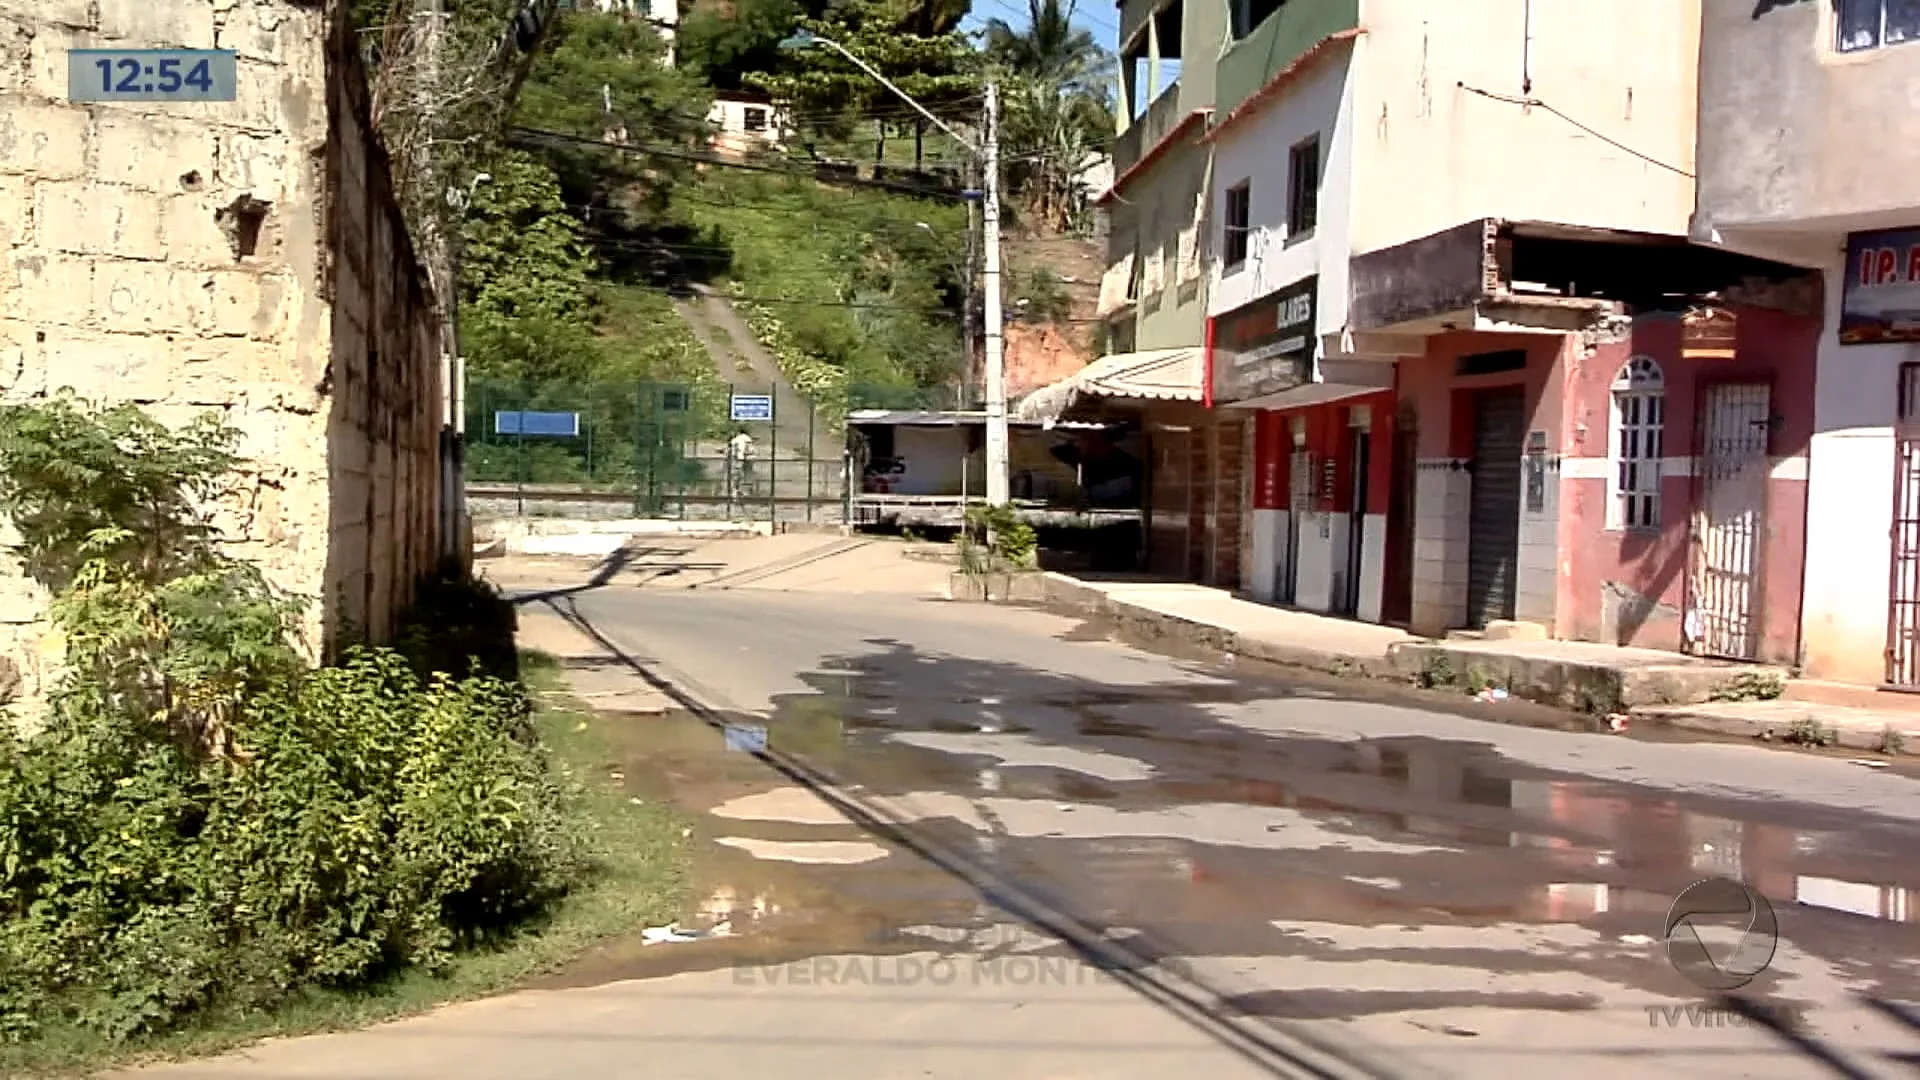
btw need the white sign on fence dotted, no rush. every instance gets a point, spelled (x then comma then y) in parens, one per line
(751, 407)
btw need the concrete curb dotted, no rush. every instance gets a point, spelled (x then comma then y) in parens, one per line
(1065, 595)
(594, 539)
(1650, 693)
(1893, 736)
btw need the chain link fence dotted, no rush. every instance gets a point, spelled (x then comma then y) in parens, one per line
(706, 451)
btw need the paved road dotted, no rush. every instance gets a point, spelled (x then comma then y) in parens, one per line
(1281, 876)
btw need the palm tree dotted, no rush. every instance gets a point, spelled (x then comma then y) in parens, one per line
(1051, 49)
(1057, 112)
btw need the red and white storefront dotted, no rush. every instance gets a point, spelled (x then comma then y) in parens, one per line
(1643, 485)
(1319, 443)
(1319, 534)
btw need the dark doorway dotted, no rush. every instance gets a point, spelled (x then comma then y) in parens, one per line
(1356, 522)
(1493, 542)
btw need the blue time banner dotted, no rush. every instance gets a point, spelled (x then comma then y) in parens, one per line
(152, 75)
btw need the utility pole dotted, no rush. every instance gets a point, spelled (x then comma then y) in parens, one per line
(989, 155)
(998, 493)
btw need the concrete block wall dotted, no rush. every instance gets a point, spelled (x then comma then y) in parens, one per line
(1537, 589)
(1443, 490)
(124, 278)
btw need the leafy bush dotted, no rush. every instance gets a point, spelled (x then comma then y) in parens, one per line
(458, 624)
(202, 821)
(998, 537)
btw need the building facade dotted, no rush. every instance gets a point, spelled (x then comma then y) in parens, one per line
(1383, 137)
(242, 257)
(1797, 163)
(743, 123)
(1496, 360)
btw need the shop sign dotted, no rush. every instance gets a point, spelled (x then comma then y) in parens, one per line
(1709, 334)
(1267, 346)
(1880, 299)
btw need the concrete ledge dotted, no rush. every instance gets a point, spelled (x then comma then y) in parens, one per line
(1067, 595)
(594, 539)
(1599, 685)
(1017, 587)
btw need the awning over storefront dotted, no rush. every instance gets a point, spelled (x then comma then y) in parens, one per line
(1158, 375)
(1335, 380)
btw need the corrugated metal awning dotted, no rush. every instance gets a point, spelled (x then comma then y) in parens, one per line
(1160, 374)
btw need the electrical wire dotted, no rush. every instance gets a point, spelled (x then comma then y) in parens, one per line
(1535, 102)
(539, 137)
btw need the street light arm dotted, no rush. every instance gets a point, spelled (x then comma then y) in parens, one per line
(897, 92)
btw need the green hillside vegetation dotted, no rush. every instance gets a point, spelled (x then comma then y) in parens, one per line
(570, 249)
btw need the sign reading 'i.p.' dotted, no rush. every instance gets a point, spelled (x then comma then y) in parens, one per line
(102, 75)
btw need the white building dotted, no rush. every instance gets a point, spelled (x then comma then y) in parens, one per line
(1806, 155)
(744, 123)
(1282, 200)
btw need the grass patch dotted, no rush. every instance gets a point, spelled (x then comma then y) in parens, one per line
(639, 878)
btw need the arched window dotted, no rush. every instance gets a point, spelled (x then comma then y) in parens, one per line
(1637, 444)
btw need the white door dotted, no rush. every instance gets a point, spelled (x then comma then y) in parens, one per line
(1723, 589)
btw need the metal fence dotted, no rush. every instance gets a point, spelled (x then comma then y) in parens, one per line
(610, 450)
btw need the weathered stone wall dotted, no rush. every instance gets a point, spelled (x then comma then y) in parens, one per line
(183, 257)
(384, 431)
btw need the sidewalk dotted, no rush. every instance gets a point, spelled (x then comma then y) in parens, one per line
(1598, 680)
(595, 676)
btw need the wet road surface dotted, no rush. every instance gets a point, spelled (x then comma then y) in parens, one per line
(988, 841)
(1375, 871)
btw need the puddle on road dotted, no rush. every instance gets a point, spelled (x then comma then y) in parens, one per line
(1484, 844)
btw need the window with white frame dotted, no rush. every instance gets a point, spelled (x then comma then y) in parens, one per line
(1638, 441)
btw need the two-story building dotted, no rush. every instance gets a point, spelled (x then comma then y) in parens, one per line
(1493, 260)
(1802, 158)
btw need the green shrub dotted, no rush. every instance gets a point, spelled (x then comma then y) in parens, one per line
(366, 821)
(458, 624)
(201, 821)
(1006, 538)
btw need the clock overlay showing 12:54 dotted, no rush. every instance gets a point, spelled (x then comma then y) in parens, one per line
(152, 75)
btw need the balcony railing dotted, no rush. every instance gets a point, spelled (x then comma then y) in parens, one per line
(1147, 130)
(1278, 41)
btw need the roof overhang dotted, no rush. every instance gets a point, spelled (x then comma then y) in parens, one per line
(1334, 380)
(932, 419)
(1156, 375)
(1497, 274)
(1282, 80)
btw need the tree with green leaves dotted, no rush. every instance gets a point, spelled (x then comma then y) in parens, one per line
(724, 41)
(1057, 114)
(916, 44)
(1050, 49)
(527, 311)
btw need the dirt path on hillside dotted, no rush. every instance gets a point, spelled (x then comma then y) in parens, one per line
(741, 361)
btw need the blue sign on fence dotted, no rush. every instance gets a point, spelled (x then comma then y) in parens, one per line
(746, 738)
(559, 425)
(752, 407)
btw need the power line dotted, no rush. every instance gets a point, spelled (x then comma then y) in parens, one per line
(539, 137)
(1609, 140)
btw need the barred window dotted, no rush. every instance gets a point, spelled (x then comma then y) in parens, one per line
(1637, 445)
